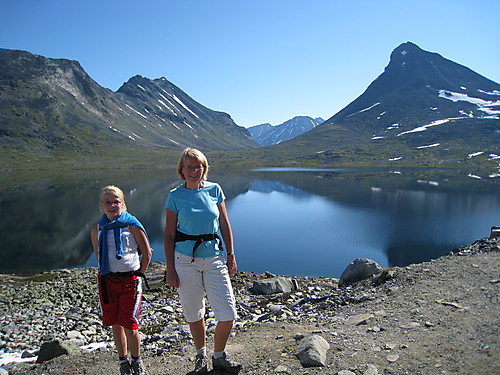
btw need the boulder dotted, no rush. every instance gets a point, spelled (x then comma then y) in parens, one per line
(360, 269)
(53, 349)
(274, 285)
(312, 351)
(495, 232)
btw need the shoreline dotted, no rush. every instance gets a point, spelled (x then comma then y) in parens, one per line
(63, 304)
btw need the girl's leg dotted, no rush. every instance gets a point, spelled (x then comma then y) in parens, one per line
(120, 340)
(133, 341)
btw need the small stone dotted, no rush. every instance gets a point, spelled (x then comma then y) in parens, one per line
(370, 370)
(282, 370)
(392, 357)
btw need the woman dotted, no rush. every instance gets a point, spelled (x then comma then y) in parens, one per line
(196, 210)
(118, 240)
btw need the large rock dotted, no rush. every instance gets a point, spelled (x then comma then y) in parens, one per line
(274, 285)
(53, 349)
(312, 351)
(359, 269)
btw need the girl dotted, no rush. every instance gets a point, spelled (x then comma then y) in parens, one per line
(119, 240)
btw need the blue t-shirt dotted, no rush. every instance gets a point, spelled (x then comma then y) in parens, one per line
(197, 213)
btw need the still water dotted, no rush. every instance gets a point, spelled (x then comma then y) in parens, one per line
(307, 222)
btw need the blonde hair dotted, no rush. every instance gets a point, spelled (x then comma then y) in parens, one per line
(113, 190)
(193, 154)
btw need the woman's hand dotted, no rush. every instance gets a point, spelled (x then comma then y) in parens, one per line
(231, 264)
(172, 279)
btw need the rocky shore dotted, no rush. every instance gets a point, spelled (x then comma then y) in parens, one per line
(437, 317)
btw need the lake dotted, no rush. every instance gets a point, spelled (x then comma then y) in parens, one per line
(303, 222)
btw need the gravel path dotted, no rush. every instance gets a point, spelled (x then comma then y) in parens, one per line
(438, 317)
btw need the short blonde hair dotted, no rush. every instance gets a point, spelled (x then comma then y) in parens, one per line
(193, 154)
(113, 190)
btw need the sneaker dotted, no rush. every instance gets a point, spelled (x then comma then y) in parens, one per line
(200, 365)
(125, 368)
(224, 364)
(138, 368)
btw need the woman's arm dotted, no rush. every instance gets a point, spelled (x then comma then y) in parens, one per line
(143, 243)
(227, 236)
(169, 245)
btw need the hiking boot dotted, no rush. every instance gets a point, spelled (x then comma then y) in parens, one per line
(125, 368)
(224, 364)
(200, 365)
(138, 368)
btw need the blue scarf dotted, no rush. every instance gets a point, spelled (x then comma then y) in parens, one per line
(117, 226)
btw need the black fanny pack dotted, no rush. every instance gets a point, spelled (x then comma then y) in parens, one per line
(200, 238)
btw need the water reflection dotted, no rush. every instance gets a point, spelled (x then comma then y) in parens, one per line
(308, 222)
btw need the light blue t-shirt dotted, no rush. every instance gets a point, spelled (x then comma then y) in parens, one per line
(197, 213)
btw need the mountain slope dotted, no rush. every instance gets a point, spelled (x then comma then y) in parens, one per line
(184, 120)
(422, 110)
(267, 135)
(49, 106)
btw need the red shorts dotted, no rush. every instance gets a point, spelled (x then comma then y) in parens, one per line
(121, 300)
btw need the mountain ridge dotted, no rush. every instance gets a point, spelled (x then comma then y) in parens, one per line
(49, 105)
(267, 134)
(422, 110)
(411, 115)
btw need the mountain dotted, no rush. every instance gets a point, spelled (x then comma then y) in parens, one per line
(51, 106)
(267, 134)
(422, 110)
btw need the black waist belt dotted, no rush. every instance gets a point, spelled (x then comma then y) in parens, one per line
(114, 275)
(179, 237)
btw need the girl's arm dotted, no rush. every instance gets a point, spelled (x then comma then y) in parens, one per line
(227, 236)
(143, 243)
(95, 241)
(169, 246)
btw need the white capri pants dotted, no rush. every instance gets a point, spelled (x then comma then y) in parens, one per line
(205, 275)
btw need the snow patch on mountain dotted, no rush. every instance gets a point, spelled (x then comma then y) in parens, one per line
(363, 110)
(428, 146)
(475, 154)
(425, 127)
(139, 113)
(185, 106)
(483, 105)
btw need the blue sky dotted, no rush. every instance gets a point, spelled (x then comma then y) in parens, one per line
(258, 60)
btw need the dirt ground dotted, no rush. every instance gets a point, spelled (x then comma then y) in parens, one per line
(438, 317)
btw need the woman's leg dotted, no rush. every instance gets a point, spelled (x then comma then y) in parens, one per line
(191, 294)
(222, 332)
(198, 331)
